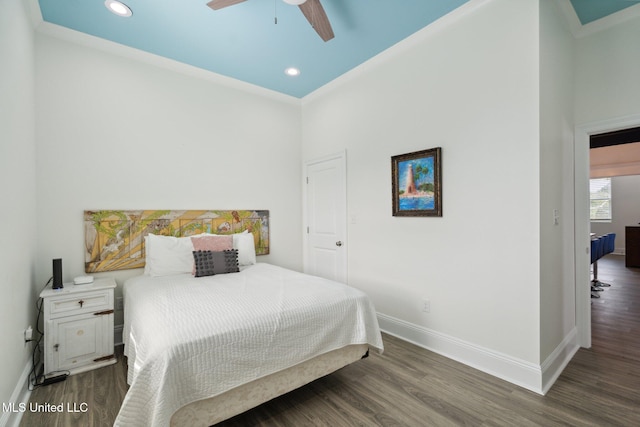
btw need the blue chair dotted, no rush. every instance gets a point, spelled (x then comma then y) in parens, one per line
(595, 249)
(608, 245)
(597, 246)
(603, 246)
(611, 243)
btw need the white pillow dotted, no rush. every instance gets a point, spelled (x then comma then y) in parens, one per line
(147, 256)
(166, 255)
(246, 246)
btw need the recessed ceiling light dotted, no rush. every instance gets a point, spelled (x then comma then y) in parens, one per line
(292, 71)
(118, 8)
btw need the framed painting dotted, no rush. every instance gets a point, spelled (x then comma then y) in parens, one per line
(416, 183)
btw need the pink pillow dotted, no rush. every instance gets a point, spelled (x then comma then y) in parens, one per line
(212, 243)
(215, 243)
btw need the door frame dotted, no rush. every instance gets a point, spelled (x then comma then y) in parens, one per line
(581, 216)
(342, 157)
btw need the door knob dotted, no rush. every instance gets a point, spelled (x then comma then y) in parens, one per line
(338, 243)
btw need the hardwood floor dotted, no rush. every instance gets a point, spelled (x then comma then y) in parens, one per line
(410, 386)
(101, 391)
(615, 316)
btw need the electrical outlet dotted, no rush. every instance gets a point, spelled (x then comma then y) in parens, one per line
(119, 303)
(426, 306)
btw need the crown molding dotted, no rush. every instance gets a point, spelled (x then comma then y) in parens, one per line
(107, 46)
(33, 9)
(579, 30)
(402, 46)
(571, 16)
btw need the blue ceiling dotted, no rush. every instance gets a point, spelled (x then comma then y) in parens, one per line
(243, 41)
(592, 10)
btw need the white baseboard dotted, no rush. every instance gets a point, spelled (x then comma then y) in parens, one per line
(19, 399)
(522, 373)
(553, 366)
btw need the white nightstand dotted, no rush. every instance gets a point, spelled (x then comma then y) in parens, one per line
(78, 326)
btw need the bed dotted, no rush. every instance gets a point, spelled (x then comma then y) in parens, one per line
(203, 349)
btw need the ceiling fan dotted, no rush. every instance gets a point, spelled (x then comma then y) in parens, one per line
(312, 10)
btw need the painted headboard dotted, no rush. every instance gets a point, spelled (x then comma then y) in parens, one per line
(114, 240)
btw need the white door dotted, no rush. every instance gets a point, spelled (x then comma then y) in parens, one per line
(325, 217)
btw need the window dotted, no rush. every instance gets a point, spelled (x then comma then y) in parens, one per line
(600, 196)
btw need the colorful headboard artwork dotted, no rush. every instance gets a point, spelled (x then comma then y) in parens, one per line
(114, 240)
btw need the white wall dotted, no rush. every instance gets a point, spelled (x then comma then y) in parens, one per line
(607, 69)
(471, 87)
(557, 277)
(116, 133)
(625, 209)
(17, 195)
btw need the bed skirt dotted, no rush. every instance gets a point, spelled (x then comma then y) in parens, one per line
(216, 409)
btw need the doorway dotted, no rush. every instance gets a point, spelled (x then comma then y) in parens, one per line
(582, 138)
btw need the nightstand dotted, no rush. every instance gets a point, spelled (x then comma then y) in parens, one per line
(78, 326)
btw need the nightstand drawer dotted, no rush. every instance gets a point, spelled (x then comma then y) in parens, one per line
(86, 302)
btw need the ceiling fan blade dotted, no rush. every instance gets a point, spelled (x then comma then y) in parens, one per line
(219, 4)
(315, 14)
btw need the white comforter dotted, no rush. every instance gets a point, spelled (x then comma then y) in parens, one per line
(190, 338)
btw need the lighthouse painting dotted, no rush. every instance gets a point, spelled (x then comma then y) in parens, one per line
(416, 183)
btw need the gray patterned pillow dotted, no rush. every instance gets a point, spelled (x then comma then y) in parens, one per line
(209, 263)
